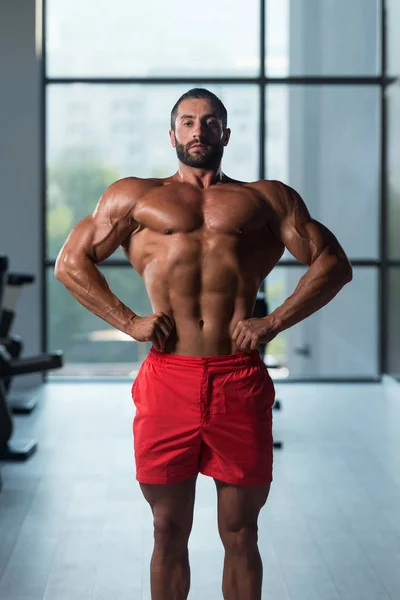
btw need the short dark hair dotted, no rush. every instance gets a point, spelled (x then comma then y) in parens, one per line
(197, 93)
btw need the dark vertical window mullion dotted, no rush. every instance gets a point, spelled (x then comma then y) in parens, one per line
(263, 126)
(43, 182)
(383, 272)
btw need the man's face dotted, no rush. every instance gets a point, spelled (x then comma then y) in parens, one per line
(199, 137)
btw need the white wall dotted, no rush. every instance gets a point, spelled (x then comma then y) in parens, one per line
(20, 214)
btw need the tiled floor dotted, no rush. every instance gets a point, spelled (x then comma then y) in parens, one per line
(74, 525)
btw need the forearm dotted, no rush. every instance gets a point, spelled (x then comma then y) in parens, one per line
(318, 286)
(87, 284)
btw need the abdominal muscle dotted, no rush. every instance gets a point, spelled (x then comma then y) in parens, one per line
(207, 281)
(205, 314)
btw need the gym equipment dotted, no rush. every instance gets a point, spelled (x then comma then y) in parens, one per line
(11, 367)
(260, 311)
(3, 271)
(14, 347)
(13, 284)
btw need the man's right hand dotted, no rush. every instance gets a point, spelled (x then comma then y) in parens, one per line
(154, 328)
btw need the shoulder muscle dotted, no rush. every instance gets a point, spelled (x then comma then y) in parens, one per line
(99, 234)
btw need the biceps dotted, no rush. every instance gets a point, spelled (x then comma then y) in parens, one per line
(95, 238)
(308, 239)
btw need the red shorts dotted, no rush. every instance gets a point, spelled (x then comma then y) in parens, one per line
(210, 414)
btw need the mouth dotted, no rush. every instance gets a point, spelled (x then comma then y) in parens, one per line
(198, 147)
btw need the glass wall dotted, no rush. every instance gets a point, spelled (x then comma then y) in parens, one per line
(335, 341)
(152, 39)
(323, 37)
(112, 77)
(393, 38)
(323, 140)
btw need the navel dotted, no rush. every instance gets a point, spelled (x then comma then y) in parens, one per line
(168, 231)
(201, 323)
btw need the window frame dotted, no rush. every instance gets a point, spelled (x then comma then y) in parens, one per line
(382, 81)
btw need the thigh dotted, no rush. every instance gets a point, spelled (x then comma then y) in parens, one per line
(239, 506)
(172, 504)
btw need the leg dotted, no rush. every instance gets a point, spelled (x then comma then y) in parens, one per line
(172, 507)
(238, 510)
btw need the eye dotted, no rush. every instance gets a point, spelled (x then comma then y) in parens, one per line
(187, 123)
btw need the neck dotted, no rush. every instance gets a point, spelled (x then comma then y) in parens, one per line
(201, 178)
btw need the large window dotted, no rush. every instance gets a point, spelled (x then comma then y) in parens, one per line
(302, 81)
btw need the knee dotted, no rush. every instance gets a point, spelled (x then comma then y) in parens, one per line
(240, 539)
(169, 534)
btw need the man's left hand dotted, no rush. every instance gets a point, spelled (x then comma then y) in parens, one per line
(251, 332)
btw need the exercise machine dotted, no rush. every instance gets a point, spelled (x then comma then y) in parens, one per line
(12, 367)
(13, 284)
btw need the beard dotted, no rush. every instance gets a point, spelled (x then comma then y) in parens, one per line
(209, 158)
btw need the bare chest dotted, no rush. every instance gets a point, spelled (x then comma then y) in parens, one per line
(175, 210)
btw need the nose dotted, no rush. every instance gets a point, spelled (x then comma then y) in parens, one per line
(198, 130)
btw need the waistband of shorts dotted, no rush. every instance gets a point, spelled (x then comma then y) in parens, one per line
(223, 360)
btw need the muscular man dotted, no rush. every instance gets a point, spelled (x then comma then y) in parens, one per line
(203, 243)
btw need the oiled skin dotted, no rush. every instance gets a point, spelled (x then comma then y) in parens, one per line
(203, 243)
(202, 253)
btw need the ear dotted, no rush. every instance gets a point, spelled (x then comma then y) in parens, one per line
(172, 138)
(227, 136)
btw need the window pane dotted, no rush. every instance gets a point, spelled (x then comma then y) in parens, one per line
(97, 134)
(90, 345)
(340, 340)
(393, 223)
(322, 37)
(393, 38)
(152, 39)
(393, 347)
(324, 142)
